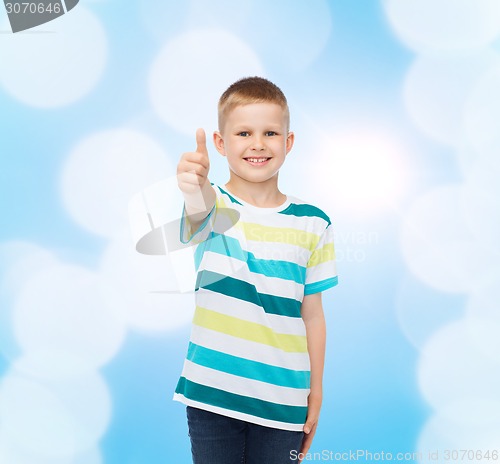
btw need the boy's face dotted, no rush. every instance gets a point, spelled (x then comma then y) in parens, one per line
(255, 140)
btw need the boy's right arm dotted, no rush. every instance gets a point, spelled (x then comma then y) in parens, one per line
(192, 178)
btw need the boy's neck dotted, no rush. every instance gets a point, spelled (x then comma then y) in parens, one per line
(260, 194)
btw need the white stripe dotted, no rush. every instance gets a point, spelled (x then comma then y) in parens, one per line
(238, 415)
(285, 251)
(278, 220)
(249, 350)
(321, 272)
(224, 265)
(289, 221)
(243, 386)
(279, 251)
(278, 287)
(249, 312)
(238, 269)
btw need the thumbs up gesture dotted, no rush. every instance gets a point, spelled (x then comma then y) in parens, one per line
(192, 172)
(193, 167)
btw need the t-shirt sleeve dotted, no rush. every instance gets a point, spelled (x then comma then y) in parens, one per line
(202, 233)
(321, 272)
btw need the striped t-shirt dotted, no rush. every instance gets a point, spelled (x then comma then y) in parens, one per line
(247, 356)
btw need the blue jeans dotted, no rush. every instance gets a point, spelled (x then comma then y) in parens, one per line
(217, 439)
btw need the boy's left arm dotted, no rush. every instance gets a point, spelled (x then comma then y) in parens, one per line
(314, 320)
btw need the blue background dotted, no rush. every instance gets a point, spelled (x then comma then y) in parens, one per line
(373, 397)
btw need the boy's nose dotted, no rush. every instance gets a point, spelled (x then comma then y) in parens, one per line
(258, 144)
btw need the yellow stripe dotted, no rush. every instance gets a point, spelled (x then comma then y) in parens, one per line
(251, 331)
(327, 253)
(220, 202)
(260, 233)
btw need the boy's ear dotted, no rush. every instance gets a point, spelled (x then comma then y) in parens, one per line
(290, 138)
(219, 143)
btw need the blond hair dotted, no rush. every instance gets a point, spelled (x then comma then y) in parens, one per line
(251, 90)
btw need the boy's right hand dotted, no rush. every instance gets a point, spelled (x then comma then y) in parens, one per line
(193, 167)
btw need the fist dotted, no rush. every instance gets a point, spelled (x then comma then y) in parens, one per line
(193, 167)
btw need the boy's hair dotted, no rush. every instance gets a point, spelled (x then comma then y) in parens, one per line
(251, 90)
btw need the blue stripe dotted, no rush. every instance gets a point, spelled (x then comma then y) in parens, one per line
(200, 228)
(245, 291)
(233, 200)
(246, 368)
(321, 286)
(229, 246)
(300, 210)
(245, 404)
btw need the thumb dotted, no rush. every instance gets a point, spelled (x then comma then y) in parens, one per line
(201, 142)
(308, 426)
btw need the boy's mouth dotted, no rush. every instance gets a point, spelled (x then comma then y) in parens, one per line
(259, 161)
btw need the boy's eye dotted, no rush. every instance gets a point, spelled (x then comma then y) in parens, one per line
(244, 134)
(271, 133)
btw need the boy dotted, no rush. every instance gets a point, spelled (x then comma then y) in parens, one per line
(252, 378)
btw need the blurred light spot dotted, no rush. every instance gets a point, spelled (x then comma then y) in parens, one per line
(57, 420)
(13, 453)
(162, 19)
(92, 456)
(62, 308)
(299, 32)
(103, 172)
(467, 424)
(485, 303)
(137, 286)
(452, 368)
(466, 157)
(480, 206)
(437, 245)
(484, 333)
(53, 364)
(444, 25)
(34, 418)
(10, 453)
(4, 21)
(202, 15)
(422, 310)
(470, 159)
(365, 172)
(19, 261)
(58, 67)
(436, 90)
(191, 72)
(482, 114)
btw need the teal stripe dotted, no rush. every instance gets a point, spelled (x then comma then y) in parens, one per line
(244, 404)
(321, 286)
(245, 291)
(200, 228)
(300, 210)
(277, 268)
(229, 246)
(198, 254)
(247, 368)
(233, 200)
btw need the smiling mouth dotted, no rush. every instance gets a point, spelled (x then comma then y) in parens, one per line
(257, 160)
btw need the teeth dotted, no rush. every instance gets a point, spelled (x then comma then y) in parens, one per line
(257, 160)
